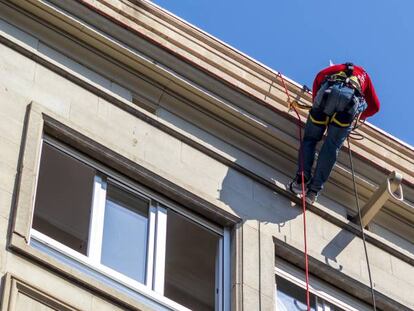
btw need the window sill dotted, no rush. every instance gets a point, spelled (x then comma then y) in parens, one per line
(100, 280)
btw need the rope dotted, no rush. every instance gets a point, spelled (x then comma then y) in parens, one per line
(292, 106)
(362, 228)
(356, 136)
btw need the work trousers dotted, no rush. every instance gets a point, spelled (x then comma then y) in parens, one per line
(328, 154)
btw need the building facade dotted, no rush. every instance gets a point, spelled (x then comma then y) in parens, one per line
(144, 166)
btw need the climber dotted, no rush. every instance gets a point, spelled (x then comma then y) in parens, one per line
(341, 94)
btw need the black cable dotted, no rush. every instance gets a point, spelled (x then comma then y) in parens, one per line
(362, 228)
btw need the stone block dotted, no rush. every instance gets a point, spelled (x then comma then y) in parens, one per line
(86, 117)
(379, 258)
(267, 266)
(239, 182)
(16, 71)
(314, 229)
(4, 225)
(74, 66)
(9, 153)
(11, 129)
(402, 270)
(242, 205)
(266, 302)
(251, 258)
(13, 102)
(163, 148)
(251, 298)
(266, 196)
(103, 305)
(53, 91)
(24, 212)
(191, 180)
(7, 178)
(48, 282)
(6, 200)
(388, 284)
(199, 161)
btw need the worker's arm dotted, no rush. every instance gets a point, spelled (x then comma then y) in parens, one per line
(371, 98)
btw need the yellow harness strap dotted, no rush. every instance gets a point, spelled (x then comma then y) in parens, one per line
(353, 80)
(314, 121)
(334, 120)
(295, 103)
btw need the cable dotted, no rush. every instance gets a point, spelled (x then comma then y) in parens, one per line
(303, 192)
(362, 228)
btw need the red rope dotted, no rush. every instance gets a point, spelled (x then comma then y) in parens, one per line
(303, 193)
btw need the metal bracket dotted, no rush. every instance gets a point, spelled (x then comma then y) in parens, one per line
(388, 189)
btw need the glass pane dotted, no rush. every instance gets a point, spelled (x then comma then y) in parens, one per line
(64, 198)
(190, 263)
(291, 297)
(124, 243)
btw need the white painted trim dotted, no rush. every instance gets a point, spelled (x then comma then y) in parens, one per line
(319, 288)
(226, 293)
(38, 236)
(152, 219)
(192, 216)
(219, 276)
(160, 250)
(106, 271)
(97, 219)
(39, 160)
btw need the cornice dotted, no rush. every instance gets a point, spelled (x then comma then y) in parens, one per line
(239, 71)
(234, 69)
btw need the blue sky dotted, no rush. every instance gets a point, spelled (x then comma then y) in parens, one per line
(299, 37)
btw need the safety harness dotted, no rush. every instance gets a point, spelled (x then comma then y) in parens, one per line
(338, 100)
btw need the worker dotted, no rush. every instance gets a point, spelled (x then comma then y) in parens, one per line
(340, 94)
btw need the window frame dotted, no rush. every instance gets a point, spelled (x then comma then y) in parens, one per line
(323, 292)
(156, 240)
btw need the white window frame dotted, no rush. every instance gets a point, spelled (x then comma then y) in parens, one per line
(326, 295)
(153, 285)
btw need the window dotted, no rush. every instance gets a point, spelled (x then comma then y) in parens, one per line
(291, 297)
(120, 229)
(291, 292)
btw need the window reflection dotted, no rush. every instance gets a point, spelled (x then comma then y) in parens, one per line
(291, 297)
(124, 243)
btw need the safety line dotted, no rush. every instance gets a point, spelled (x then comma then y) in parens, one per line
(362, 228)
(303, 192)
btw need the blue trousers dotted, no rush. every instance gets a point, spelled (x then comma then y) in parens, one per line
(327, 156)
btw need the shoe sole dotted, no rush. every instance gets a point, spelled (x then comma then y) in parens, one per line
(293, 190)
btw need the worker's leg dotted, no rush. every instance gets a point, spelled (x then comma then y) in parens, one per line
(327, 155)
(313, 134)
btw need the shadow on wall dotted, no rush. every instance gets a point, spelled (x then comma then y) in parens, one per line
(335, 247)
(253, 201)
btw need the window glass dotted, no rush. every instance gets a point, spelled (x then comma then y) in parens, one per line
(86, 210)
(63, 199)
(291, 297)
(124, 242)
(190, 263)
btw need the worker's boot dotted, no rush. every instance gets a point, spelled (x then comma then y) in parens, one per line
(295, 186)
(311, 196)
